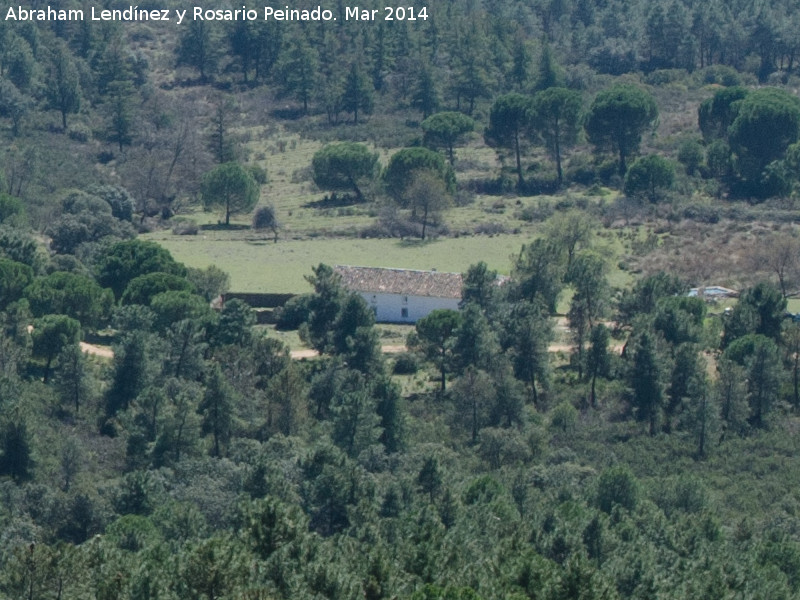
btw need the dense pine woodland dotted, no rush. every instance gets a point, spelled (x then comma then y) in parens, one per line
(582, 428)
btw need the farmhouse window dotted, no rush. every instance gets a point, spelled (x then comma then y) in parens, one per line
(404, 313)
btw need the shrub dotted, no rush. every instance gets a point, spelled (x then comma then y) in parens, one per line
(185, 227)
(690, 155)
(293, 314)
(649, 176)
(405, 364)
(617, 486)
(259, 173)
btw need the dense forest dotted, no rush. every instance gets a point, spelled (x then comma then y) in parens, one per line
(583, 426)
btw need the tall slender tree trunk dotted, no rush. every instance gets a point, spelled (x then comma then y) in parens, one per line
(557, 140)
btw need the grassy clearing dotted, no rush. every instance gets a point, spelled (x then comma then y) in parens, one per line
(281, 267)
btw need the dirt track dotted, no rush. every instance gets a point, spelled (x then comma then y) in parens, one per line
(106, 352)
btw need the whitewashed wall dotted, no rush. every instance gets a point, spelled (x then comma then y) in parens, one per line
(390, 306)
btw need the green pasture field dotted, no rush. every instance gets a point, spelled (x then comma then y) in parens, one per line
(280, 268)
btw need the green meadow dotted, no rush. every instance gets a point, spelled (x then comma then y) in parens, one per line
(281, 267)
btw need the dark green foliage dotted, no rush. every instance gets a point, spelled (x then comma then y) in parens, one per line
(231, 187)
(16, 459)
(257, 45)
(118, 198)
(766, 124)
(686, 375)
(70, 294)
(271, 524)
(647, 292)
(63, 84)
(355, 421)
(390, 409)
(298, 69)
(759, 355)
(125, 261)
(598, 359)
(445, 130)
(357, 94)
(528, 335)
(649, 176)
(556, 118)
(11, 208)
(51, 334)
(760, 310)
(74, 380)
(210, 282)
(587, 275)
(173, 306)
(199, 48)
(323, 306)
(646, 381)
(294, 313)
(690, 155)
(236, 320)
(539, 269)
(135, 360)
(435, 338)
(680, 319)
(354, 337)
(405, 165)
(345, 166)
(480, 285)
(142, 289)
(509, 125)
(72, 230)
(716, 114)
(426, 94)
(617, 119)
(14, 278)
(119, 113)
(216, 407)
(21, 247)
(617, 487)
(429, 478)
(549, 75)
(474, 342)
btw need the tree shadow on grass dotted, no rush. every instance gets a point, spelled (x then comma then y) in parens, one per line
(333, 201)
(416, 242)
(223, 227)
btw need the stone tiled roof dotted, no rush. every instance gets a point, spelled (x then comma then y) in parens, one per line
(380, 280)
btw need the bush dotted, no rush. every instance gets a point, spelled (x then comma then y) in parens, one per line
(539, 212)
(293, 314)
(259, 173)
(665, 76)
(720, 75)
(690, 155)
(79, 133)
(266, 218)
(617, 487)
(405, 364)
(185, 227)
(564, 417)
(649, 176)
(581, 170)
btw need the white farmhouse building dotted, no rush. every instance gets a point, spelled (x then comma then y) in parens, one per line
(402, 295)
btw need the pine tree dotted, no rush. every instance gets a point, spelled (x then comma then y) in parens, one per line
(645, 380)
(217, 409)
(358, 93)
(16, 459)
